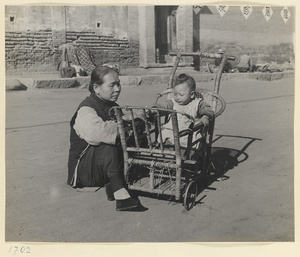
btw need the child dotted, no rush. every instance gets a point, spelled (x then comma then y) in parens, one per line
(185, 101)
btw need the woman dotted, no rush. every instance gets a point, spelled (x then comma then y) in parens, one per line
(95, 159)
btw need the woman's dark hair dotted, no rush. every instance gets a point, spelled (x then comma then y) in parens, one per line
(184, 78)
(97, 76)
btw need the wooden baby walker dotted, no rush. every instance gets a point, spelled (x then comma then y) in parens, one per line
(174, 171)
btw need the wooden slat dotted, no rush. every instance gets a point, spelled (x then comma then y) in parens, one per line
(150, 151)
(159, 132)
(134, 130)
(151, 163)
(147, 130)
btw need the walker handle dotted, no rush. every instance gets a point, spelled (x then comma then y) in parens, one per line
(204, 55)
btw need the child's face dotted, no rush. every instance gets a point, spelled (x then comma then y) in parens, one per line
(183, 94)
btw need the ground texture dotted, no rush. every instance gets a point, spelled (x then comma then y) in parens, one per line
(254, 202)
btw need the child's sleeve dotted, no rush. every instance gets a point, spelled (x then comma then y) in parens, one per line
(167, 104)
(205, 109)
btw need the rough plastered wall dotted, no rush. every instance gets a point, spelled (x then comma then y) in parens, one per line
(104, 20)
(255, 30)
(34, 33)
(235, 34)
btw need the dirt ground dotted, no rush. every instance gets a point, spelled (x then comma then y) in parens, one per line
(254, 202)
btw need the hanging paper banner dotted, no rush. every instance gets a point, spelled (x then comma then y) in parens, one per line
(222, 9)
(267, 12)
(197, 8)
(285, 14)
(246, 11)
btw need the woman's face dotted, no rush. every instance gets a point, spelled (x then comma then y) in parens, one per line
(110, 89)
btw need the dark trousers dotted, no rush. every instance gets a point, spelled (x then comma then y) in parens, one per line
(100, 165)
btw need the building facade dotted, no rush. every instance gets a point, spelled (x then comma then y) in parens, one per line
(133, 36)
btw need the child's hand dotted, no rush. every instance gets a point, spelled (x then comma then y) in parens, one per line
(137, 115)
(205, 120)
(126, 117)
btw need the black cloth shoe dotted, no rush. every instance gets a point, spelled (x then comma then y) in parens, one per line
(127, 204)
(109, 192)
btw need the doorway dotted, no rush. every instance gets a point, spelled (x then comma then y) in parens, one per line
(165, 33)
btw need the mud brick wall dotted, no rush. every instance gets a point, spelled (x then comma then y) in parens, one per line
(29, 52)
(106, 49)
(37, 52)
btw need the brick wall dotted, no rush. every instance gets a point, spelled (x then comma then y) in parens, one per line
(36, 52)
(106, 48)
(29, 52)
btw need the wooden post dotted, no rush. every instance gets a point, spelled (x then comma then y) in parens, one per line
(219, 74)
(172, 75)
(147, 129)
(134, 130)
(123, 140)
(177, 154)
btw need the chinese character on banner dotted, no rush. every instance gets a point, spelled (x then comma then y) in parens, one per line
(197, 8)
(267, 12)
(222, 9)
(246, 11)
(285, 14)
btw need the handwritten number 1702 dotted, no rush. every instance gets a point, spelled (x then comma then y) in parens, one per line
(16, 249)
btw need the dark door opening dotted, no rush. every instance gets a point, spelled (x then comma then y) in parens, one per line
(165, 32)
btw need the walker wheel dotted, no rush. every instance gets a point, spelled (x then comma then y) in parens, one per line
(190, 195)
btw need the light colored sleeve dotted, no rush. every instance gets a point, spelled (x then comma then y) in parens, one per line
(90, 127)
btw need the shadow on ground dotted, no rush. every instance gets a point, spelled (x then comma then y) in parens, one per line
(223, 160)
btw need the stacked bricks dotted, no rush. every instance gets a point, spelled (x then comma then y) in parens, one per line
(29, 52)
(106, 49)
(37, 52)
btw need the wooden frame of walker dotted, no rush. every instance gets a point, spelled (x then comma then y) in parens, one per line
(170, 171)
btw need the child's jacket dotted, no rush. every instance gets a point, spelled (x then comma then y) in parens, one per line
(196, 108)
